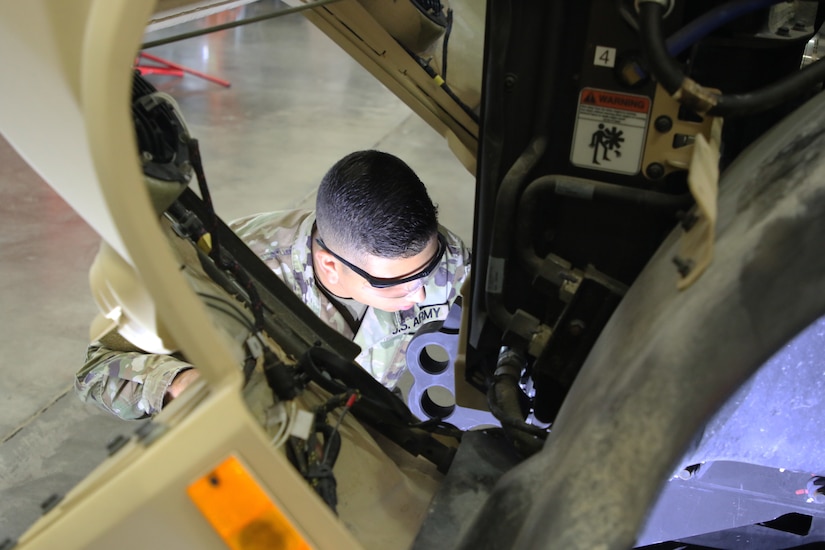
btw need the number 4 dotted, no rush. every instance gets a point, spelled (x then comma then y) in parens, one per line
(605, 57)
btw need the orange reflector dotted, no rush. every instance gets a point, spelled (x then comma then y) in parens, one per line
(240, 511)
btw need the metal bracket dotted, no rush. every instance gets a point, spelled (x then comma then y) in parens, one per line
(431, 357)
(696, 245)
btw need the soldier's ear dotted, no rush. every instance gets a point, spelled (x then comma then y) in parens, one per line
(327, 267)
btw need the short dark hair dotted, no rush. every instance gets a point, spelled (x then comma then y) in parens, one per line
(371, 202)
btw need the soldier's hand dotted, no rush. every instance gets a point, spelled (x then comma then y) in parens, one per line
(181, 382)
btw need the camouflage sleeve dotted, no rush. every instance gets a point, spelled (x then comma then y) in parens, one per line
(129, 384)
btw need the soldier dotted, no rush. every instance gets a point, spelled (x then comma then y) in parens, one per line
(371, 261)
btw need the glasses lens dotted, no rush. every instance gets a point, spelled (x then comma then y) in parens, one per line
(426, 272)
(377, 282)
(398, 291)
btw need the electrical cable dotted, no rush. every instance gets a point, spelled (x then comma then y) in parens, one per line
(285, 429)
(438, 426)
(231, 314)
(227, 263)
(303, 454)
(669, 74)
(376, 406)
(337, 375)
(212, 222)
(439, 80)
(251, 359)
(319, 472)
(234, 312)
(227, 302)
(317, 466)
(447, 31)
(334, 402)
(353, 397)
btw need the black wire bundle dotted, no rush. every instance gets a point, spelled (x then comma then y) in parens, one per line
(379, 407)
(224, 261)
(315, 458)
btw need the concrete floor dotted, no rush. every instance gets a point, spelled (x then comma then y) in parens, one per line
(297, 103)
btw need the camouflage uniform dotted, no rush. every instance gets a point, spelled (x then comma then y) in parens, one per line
(129, 384)
(132, 385)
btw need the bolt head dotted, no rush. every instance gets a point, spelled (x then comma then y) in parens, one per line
(663, 124)
(655, 170)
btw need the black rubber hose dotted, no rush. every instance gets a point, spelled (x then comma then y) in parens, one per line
(502, 397)
(503, 400)
(583, 189)
(772, 95)
(669, 74)
(711, 20)
(664, 68)
(512, 184)
(587, 189)
(506, 204)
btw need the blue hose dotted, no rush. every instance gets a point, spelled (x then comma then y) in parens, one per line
(712, 20)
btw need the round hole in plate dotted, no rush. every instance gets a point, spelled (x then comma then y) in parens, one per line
(438, 402)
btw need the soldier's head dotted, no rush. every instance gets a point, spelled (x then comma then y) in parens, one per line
(377, 238)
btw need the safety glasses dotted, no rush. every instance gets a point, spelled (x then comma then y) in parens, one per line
(378, 282)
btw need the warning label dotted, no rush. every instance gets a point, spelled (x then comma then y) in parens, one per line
(610, 131)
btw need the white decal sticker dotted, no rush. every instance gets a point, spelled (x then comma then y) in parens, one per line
(605, 57)
(610, 131)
